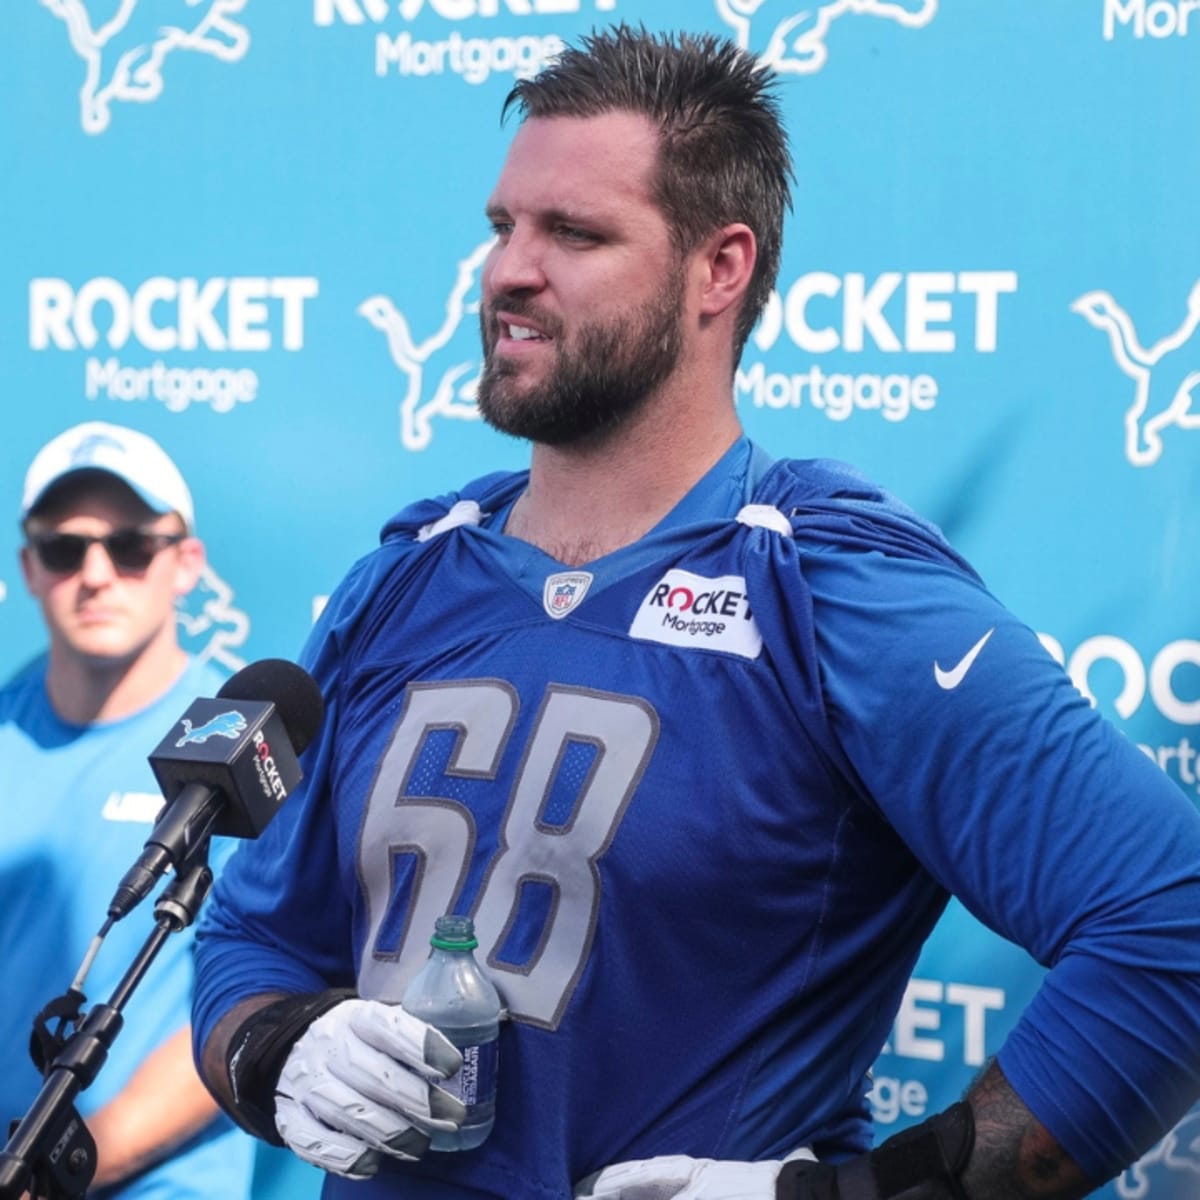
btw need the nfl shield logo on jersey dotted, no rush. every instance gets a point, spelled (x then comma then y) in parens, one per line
(564, 591)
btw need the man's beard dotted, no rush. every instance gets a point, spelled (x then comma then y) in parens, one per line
(595, 385)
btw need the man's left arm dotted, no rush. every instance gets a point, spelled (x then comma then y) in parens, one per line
(163, 1104)
(1061, 835)
(988, 1147)
(1014, 1154)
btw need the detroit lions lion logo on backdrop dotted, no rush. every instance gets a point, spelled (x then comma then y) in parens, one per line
(210, 627)
(442, 372)
(124, 55)
(791, 38)
(1178, 1152)
(1166, 375)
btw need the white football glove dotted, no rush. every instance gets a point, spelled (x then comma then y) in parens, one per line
(677, 1177)
(358, 1084)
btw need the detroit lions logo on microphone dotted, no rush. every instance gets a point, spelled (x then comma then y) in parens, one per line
(227, 725)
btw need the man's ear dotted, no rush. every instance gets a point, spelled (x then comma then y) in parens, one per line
(728, 257)
(189, 562)
(27, 568)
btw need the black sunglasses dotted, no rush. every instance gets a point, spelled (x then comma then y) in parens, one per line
(130, 549)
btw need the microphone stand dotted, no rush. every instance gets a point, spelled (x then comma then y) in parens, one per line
(51, 1153)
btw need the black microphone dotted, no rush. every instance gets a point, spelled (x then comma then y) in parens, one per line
(225, 768)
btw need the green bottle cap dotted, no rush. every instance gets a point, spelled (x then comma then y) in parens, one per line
(453, 933)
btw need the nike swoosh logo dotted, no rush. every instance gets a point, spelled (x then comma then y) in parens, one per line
(949, 680)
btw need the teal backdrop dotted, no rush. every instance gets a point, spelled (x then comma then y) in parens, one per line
(254, 228)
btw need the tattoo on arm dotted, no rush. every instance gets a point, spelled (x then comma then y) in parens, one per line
(1015, 1156)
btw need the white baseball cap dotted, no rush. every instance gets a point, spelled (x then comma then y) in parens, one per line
(135, 459)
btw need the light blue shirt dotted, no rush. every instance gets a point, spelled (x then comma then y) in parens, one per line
(78, 805)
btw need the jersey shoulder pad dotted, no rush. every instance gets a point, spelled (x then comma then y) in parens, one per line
(832, 506)
(425, 519)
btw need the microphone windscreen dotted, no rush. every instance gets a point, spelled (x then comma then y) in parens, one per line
(289, 687)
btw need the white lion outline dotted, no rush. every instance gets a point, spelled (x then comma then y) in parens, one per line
(791, 41)
(135, 73)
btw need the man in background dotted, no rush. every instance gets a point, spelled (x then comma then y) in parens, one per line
(109, 547)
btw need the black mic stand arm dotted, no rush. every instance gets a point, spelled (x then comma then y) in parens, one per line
(51, 1153)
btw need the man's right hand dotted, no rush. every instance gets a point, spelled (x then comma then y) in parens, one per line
(359, 1084)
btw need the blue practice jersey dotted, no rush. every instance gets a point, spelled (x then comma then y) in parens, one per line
(705, 798)
(79, 802)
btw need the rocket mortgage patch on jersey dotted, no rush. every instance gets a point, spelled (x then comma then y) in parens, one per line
(683, 609)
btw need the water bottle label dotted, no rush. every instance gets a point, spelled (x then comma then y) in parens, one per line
(475, 1083)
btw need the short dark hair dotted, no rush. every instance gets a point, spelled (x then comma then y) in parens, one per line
(723, 152)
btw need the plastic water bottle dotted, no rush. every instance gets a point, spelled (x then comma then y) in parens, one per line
(453, 995)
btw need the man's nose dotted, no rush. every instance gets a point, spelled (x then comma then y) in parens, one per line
(97, 568)
(515, 265)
